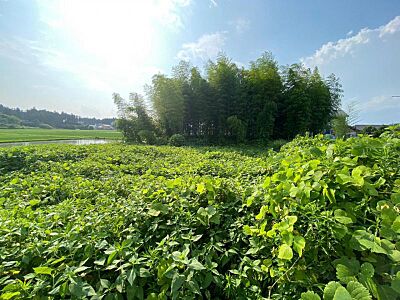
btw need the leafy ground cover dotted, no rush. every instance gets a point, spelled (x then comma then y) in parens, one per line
(37, 134)
(317, 220)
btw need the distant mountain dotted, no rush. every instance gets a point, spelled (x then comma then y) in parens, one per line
(48, 119)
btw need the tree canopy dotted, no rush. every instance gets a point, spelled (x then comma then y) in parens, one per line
(229, 103)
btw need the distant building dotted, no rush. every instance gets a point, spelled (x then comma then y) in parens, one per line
(362, 126)
(101, 127)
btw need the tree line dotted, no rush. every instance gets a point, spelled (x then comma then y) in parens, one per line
(227, 103)
(46, 119)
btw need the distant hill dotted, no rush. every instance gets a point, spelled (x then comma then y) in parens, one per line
(16, 117)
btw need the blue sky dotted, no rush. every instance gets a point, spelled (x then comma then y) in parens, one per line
(71, 55)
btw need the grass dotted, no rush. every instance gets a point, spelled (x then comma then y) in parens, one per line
(38, 134)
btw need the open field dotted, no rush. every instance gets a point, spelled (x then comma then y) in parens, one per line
(320, 219)
(37, 134)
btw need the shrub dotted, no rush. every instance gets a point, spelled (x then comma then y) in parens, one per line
(147, 136)
(277, 144)
(161, 140)
(177, 140)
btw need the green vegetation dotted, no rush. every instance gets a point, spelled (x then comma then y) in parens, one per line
(9, 121)
(36, 134)
(232, 105)
(317, 220)
(46, 119)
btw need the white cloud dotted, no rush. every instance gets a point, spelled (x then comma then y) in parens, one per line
(213, 3)
(382, 102)
(368, 65)
(390, 28)
(206, 47)
(342, 47)
(241, 25)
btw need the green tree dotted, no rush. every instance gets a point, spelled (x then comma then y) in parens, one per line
(340, 125)
(321, 103)
(168, 102)
(262, 90)
(223, 76)
(296, 108)
(134, 120)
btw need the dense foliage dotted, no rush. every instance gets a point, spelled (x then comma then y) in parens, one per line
(319, 219)
(9, 121)
(47, 119)
(233, 104)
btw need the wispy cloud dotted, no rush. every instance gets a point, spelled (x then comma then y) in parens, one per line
(241, 25)
(342, 47)
(213, 3)
(206, 47)
(381, 102)
(368, 64)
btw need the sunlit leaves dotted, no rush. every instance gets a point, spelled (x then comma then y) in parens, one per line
(299, 244)
(43, 270)
(162, 222)
(285, 252)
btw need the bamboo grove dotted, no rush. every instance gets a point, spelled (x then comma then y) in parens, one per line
(227, 103)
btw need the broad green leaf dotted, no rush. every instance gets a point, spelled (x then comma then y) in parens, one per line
(153, 212)
(263, 211)
(160, 207)
(105, 283)
(330, 290)
(285, 252)
(195, 265)
(247, 230)
(396, 225)
(201, 188)
(111, 257)
(81, 289)
(143, 272)
(287, 238)
(341, 217)
(358, 291)
(177, 282)
(9, 295)
(100, 262)
(342, 294)
(396, 285)
(58, 260)
(310, 296)
(299, 244)
(291, 219)
(43, 270)
(81, 269)
(367, 270)
(345, 274)
(267, 182)
(131, 276)
(34, 202)
(366, 240)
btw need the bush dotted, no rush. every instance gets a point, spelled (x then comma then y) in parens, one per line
(317, 220)
(177, 140)
(277, 144)
(161, 140)
(147, 137)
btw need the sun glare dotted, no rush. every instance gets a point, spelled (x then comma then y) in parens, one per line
(119, 34)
